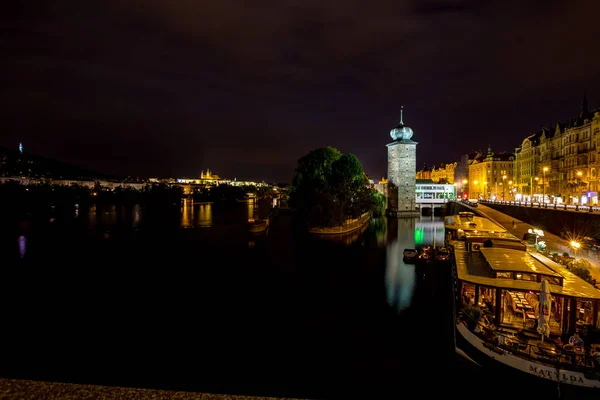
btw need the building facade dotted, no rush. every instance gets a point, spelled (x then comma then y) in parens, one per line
(557, 164)
(444, 173)
(491, 177)
(424, 173)
(560, 164)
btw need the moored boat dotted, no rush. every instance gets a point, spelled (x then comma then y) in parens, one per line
(258, 225)
(517, 307)
(410, 255)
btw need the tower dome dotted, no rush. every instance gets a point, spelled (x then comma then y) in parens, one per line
(401, 132)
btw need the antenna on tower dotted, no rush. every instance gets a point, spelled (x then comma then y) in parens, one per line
(401, 108)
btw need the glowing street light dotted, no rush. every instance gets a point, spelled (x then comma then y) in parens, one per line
(503, 190)
(575, 246)
(485, 190)
(538, 234)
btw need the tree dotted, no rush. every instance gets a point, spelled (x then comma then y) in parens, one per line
(348, 182)
(330, 187)
(311, 194)
(581, 268)
(379, 203)
(316, 165)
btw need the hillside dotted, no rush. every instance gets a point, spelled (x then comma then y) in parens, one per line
(15, 163)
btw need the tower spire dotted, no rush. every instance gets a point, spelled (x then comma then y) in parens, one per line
(401, 108)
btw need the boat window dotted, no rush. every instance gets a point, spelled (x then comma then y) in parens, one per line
(553, 280)
(585, 314)
(526, 277)
(504, 275)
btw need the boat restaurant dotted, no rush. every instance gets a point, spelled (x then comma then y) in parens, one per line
(505, 280)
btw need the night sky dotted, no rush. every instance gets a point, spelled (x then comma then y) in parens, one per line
(245, 88)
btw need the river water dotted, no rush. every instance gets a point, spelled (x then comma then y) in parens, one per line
(186, 298)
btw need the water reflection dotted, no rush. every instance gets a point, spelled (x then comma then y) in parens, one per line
(251, 209)
(109, 217)
(429, 230)
(22, 246)
(187, 213)
(205, 215)
(196, 215)
(136, 216)
(92, 216)
(400, 277)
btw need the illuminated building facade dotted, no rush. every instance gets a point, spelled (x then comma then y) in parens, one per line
(424, 173)
(491, 176)
(561, 163)
(444, 173)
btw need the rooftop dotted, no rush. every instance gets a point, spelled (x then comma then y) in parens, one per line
(471, 223)
(515, 261)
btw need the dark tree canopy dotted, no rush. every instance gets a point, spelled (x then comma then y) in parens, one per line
(330, 188)
(316, 166)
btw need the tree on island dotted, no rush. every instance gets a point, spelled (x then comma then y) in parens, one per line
(329, 187)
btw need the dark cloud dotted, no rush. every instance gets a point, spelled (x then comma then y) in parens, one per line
(245, 88)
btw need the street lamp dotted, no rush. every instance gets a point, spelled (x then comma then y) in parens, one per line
(485, 190)
(544, 170)
(575, 246)
(464, 184)
(503, 190)
(510, 189)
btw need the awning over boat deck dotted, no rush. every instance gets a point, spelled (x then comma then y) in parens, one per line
(472, 267)
(472, 223)
(499, 259)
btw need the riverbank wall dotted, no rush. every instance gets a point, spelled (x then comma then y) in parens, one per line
(348, 227)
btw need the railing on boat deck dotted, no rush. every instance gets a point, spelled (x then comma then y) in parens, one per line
(575, 361)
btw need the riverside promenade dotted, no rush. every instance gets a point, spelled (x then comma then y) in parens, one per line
(553, 243)
(16, 389)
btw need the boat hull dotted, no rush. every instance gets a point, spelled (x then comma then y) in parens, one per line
(258, 227)
(493, 357)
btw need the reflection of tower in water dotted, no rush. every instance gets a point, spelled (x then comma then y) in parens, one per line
(400, 277)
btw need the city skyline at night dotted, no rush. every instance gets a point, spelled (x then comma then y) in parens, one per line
(164, 90)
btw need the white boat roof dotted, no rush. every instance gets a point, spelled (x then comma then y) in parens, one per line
(471, 223)
(477, 268)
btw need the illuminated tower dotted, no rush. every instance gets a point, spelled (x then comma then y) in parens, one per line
(20, 147)
(402, 172)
